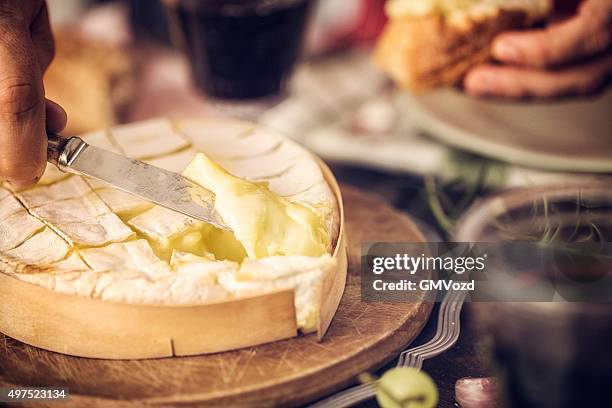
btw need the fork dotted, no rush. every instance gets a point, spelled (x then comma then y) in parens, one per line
(447, 333)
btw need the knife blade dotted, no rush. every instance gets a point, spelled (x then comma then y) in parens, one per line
(162, 187)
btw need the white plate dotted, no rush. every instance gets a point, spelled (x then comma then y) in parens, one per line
(567, 136)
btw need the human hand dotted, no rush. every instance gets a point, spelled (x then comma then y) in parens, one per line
(570, 57)
(26, 50)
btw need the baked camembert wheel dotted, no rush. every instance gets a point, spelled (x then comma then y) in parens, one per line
(78, 237)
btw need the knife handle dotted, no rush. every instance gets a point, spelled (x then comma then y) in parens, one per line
(61, 150)
(55, 147)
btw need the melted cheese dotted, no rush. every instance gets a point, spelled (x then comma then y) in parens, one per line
(263, 222)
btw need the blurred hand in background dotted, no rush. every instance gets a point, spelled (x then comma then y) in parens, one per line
(572, 56)
(26, 50)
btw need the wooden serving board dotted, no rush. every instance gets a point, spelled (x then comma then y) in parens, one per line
(289, 372)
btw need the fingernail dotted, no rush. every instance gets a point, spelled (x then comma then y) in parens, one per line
(506, 50)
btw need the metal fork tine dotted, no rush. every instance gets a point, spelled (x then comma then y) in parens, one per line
(447, 333)
(440, 333)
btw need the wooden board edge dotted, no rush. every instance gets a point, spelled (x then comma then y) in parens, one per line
(333, 285)
(87, 327)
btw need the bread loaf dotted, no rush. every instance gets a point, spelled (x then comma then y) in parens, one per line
(433, 43)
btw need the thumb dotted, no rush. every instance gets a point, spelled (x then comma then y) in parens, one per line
(23, 141)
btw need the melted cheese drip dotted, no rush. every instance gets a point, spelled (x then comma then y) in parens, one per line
(205, 241)
(263, 222)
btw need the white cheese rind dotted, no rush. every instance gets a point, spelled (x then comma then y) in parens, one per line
(303, 274)
(43, 248)
(72, 187)
(9, 205)
(84, 221)
(161, 224)
(102, 139)
(17, 228)
(148, 139)
(70, 276)
(134, 255)
(304, 175)
(195, 271)
(123, 204)
(175, 162)
(270, 164)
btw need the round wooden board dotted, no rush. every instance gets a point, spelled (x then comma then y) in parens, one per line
(290, 372)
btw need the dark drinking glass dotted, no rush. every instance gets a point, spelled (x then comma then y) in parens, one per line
(240, 49)
(555, 353)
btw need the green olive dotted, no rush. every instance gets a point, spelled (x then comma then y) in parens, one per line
(406, 387)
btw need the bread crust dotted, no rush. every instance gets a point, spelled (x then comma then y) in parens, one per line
(429, 52)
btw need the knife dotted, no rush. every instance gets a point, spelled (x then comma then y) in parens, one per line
(162, 187)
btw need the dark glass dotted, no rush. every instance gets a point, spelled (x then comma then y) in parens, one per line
(241, 49)
(551, 354)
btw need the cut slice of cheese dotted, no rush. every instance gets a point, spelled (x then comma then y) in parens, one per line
(161, 225)
(70, 276)
(264, 223)
(148, 139)
(17, 228)
(207, 136)
(145, 279)
(236, 142)
(84, 221)
(9, 205)
(175, 162)
(305, 174)
(269, 164)
(71, 187)
(303, 274)
(43, 248)
(102, 139)
(125, 205)
(172, 290)
(168, 230)
(202, 272)
(134, 255)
